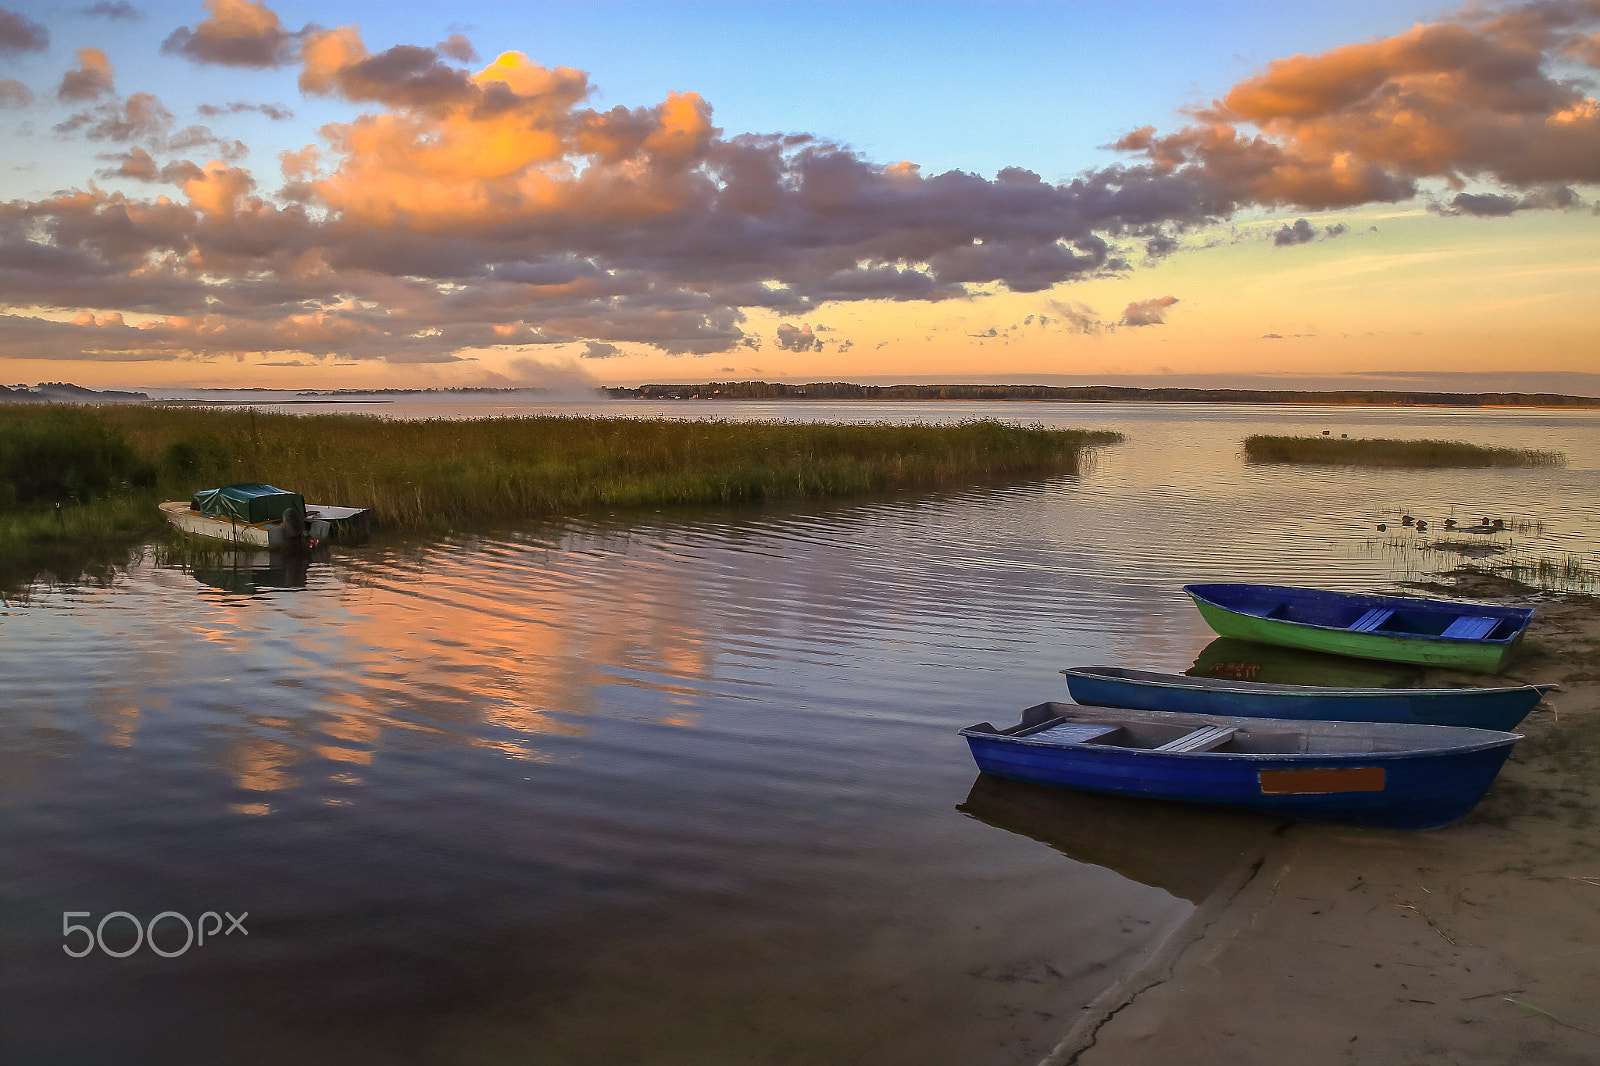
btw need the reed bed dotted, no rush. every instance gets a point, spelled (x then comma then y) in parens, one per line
(442, 474)
(1331, 451)
(1567, 573)
(1563, 572)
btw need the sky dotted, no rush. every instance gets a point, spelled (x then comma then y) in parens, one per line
(238, 193)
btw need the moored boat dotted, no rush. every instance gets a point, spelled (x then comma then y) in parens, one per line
(259, 516)
(1398, 776)
(1470, 636)
(1502, 707)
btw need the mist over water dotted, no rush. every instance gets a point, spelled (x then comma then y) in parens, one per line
(677, 787)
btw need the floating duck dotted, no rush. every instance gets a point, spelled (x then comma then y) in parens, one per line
(1382, 527)
(1406, 520)
(1421, 526)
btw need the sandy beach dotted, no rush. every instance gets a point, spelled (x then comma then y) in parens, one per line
(1477, 943)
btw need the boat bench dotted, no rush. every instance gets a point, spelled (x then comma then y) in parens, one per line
(1371, 620)
(1074, 732)
(1470, 627)
(1202, 739)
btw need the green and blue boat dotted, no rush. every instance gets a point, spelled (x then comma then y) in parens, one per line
(1482, 638)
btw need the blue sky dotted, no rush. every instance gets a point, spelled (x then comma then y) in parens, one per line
(1390, 187)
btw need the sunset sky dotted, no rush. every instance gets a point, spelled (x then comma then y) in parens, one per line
(348, 195)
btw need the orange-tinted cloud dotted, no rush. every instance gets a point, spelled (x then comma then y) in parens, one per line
(89, 79)
(1451, 100)
(237, 33)
(1151, 312)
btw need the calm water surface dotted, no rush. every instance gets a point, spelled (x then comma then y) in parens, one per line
(681, 787)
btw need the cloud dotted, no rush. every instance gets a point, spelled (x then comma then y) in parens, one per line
(458, 48)
(239, 107)
(114, 11)
(1075, 317)
(1493, 205)
(1300, 233)
(14, 94)
(18, 33)
(1161, 245)
(136, 164)
(140, 115)
(599, 350)
(1486, 204)
(91, 78)
(797, 338)
(564, 378)
(1151, 312)
(406, 76)
(1454, 100)
(237, 33)
(143, 118)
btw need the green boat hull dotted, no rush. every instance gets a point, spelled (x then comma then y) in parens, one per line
(1475, 656)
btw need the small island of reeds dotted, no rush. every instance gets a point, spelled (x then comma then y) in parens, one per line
(1332, 451)
(85, 475)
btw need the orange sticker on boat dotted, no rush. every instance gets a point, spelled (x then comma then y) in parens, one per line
(1301, 782)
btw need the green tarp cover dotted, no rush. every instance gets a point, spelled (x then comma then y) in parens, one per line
(251, 503)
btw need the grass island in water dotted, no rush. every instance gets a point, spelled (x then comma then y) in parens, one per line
(1333, 451)
(83, 476)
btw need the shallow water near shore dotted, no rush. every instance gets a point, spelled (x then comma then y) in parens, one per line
(681, 787)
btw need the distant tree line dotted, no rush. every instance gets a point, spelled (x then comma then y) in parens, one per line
(844, 390)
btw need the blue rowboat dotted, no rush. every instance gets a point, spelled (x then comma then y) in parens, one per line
(1501, 708)
(1469, 636)
(1359, 773)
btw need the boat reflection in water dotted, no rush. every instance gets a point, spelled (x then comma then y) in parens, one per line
(1186, 851)
(1235, 659)
(250, 573)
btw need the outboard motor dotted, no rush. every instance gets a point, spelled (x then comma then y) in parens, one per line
(294, 524)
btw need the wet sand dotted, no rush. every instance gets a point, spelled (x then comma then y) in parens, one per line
(1477, 943)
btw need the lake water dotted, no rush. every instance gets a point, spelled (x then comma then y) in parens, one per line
(680, 787)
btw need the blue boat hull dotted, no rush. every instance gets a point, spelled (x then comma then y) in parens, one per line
(1421, 789)
(1482, 708)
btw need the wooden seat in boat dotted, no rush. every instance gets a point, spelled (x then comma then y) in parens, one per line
(1203, 739)
(1372, 619)
(1470, 627)
(1074, 732)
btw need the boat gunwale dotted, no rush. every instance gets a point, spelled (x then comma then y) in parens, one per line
(183, 507)
(1495, 738)
(1219, 684)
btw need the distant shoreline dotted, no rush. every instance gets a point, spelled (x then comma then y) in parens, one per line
(248, 403)
(836, 391)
